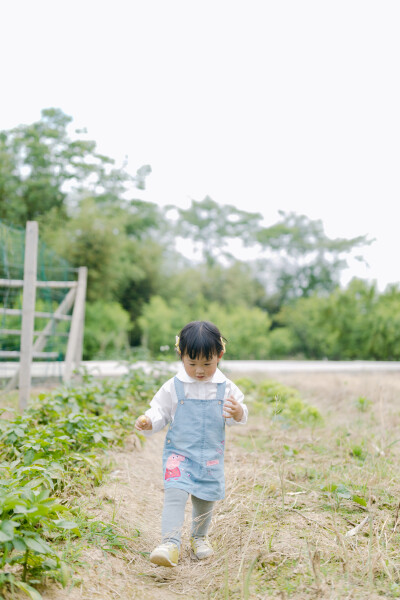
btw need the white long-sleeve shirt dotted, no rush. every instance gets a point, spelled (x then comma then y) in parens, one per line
(163, 406)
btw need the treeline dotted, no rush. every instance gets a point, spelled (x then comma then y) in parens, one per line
(152, 269)
(357, 323)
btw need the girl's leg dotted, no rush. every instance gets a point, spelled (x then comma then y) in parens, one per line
(173, 515)
(201, 516)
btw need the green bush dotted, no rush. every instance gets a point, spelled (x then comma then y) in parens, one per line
(106, 331)
(246, 385)
(246, 329)
(282, 343)
(352, 324)
(284, 404)
(355, 323)
(159, 324)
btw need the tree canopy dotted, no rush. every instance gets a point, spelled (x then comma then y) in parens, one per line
(43, 169)
(89, 215)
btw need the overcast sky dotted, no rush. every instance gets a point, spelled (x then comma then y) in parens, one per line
(267, 105)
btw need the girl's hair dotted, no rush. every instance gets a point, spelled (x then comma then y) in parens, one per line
(200, 338)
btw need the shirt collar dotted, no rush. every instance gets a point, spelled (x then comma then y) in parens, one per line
(218, 376)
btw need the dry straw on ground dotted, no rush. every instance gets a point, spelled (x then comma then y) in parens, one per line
(278, 533)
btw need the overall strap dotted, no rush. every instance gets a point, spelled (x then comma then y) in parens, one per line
(180, 390)
(221, 390)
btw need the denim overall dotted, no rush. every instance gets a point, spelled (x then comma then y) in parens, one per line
(193, 457)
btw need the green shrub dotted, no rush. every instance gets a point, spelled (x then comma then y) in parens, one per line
(159, 327)
(106, 331)
(246, 385)
(363, 404)
(282, 343)
(246, 329)
(284, 404)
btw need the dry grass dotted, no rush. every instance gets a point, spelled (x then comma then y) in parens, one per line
(277, 534)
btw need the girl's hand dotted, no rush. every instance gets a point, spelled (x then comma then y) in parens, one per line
(143, 423)
(233, 408)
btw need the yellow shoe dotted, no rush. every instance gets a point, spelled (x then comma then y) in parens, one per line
(165, 555)
(201, 547)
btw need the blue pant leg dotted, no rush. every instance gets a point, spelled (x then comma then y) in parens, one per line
(173, 515)
(201, 516)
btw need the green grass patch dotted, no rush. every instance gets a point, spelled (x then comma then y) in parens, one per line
(279, 402)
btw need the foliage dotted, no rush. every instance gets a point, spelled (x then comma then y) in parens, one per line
(56, 445)
(280, 402)
(341, 492)
(42, 166)
(246, 385)
(157, 323)
(308, 261)
(282, 343)
(306, 320)
(295, 256)
(211, 225)
(106, 331)
(246, 329)
(233, 285)
(352, 324)
(363, 404)
(289, 297)
(95, 237)
(355, 323)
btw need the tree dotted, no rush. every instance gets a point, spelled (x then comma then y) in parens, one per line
(246, 329)
(235, 284)
(106, 331)
(43, 168)
(356, 323)
(96, 236)
(10, 209)
(303, 260)
(295, 258)
(211, 226)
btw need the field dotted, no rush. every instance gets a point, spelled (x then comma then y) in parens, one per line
(312, 507)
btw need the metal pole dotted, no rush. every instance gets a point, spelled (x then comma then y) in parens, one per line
(28, 312)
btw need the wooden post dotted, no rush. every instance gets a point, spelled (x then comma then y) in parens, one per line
(75, 341)
(81, 327)
(28, 312)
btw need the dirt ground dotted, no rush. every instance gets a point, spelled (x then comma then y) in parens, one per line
(261, 521)
(133, 500)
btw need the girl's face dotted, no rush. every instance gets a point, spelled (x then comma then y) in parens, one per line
(201, 368)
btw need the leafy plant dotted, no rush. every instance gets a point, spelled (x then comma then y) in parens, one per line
(363, 404)
(341, 492)
(246, 385)
(358, 452)
(57, 444)
(284, 404)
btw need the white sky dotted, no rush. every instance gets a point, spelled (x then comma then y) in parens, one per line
(266, 105)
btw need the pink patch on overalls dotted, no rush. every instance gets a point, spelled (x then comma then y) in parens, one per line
(172, 470)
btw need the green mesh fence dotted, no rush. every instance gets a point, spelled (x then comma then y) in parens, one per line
(50, 267)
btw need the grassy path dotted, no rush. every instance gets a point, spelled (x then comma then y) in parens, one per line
(292, 496)
(132, 500)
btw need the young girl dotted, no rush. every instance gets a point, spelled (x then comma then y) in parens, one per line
(197, 403)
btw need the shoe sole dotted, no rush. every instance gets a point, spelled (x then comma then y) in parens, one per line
(193, 555)
(161, 561)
